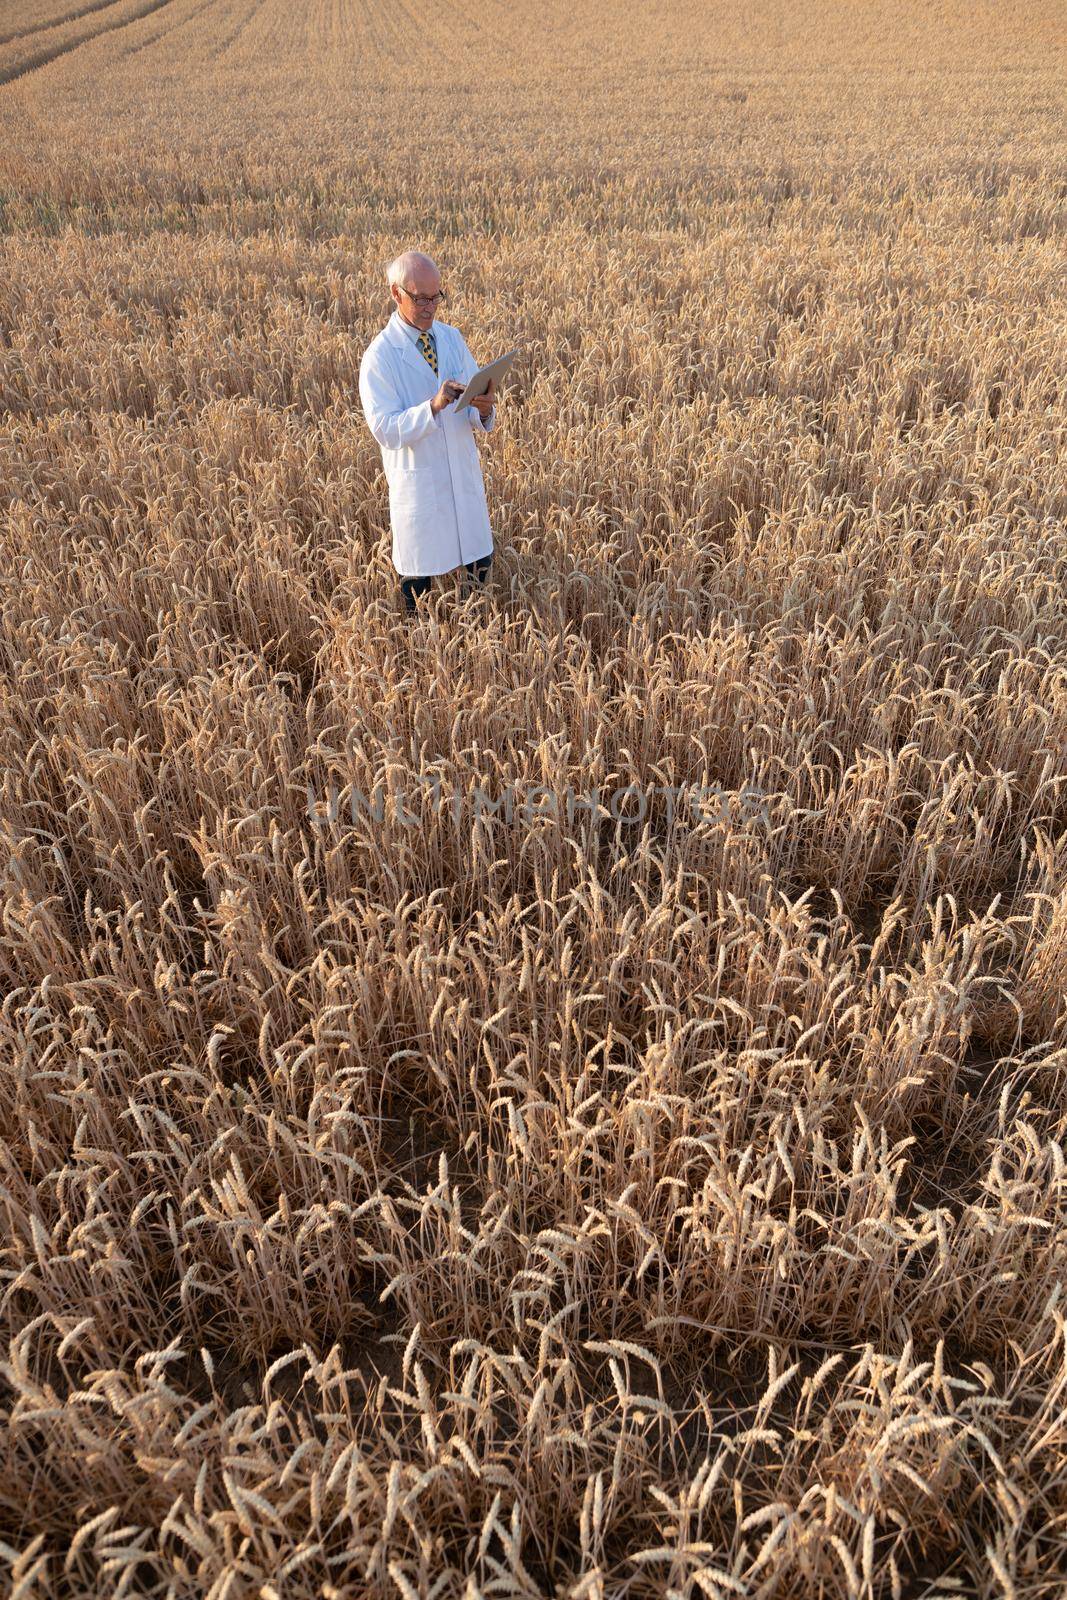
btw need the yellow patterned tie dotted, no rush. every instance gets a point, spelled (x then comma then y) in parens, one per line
(425, 344)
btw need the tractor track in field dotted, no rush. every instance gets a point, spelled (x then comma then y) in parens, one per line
(382, 48)
(232, 38)
(55, 22)
(171, 27)
(23, 68)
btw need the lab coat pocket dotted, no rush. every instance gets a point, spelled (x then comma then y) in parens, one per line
(413, 496)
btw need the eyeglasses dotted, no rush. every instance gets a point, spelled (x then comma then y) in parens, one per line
(424, 301)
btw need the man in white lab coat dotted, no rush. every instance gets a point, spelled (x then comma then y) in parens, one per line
(409, 379)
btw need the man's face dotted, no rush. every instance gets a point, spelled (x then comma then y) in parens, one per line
(419, 281)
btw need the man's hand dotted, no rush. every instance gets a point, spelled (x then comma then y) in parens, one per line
(485, 402)
(450, 390)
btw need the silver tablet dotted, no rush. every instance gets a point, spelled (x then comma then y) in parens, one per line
(482, 378)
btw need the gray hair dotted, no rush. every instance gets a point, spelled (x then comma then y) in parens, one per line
(398, 269)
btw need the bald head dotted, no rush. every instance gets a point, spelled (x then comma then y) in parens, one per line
(409, 266)
(414, 273)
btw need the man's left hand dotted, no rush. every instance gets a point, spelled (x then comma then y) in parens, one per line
(485, 402)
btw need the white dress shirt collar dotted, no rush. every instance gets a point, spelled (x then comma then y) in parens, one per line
(412, 333)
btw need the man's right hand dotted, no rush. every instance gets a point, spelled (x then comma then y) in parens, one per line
(450, 390)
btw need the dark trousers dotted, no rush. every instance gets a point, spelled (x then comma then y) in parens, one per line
(410, 587)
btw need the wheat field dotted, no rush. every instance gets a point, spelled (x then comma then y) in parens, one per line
(627, 1192)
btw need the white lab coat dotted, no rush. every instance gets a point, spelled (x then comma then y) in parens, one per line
(436, 495)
